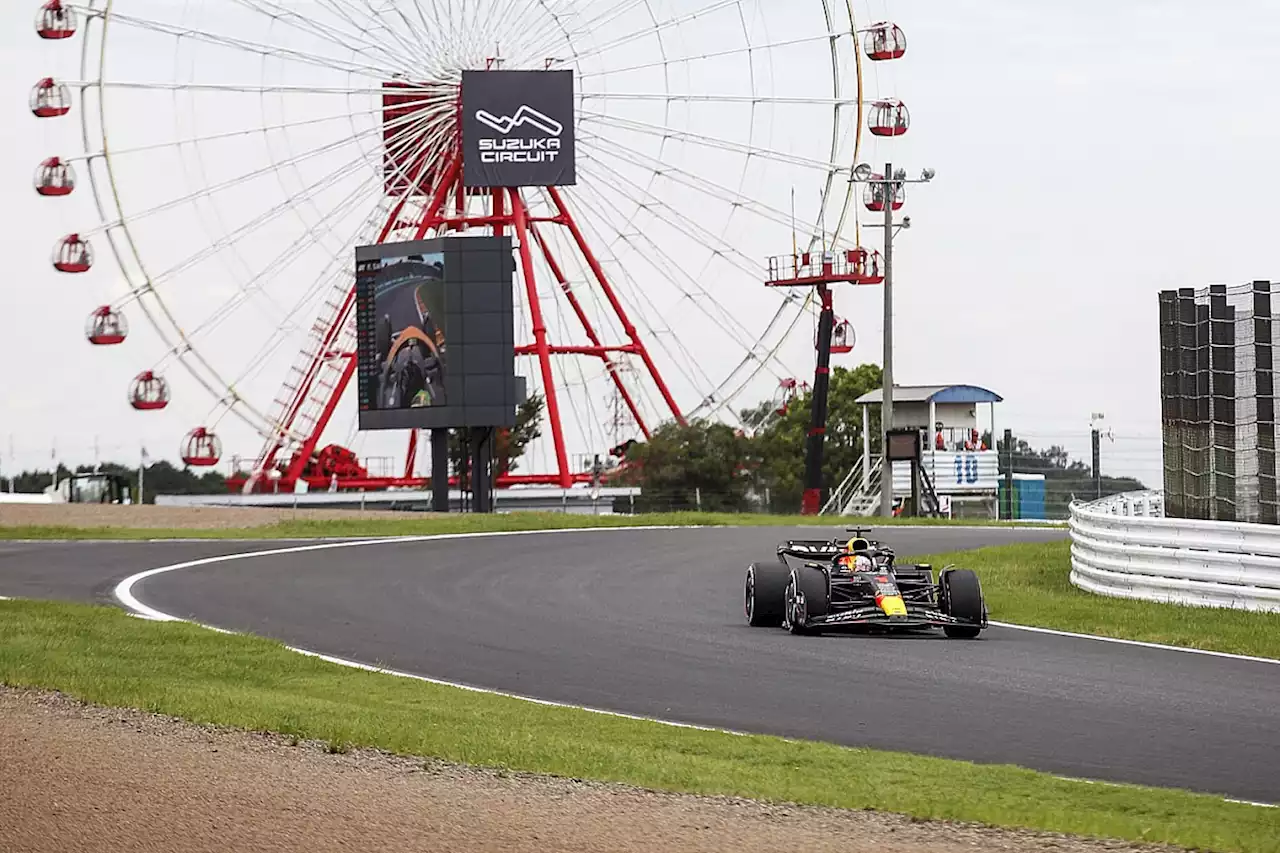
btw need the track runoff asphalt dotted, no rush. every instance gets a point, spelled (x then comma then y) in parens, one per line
(651, 623)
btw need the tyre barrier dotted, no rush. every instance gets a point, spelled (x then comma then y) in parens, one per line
(1123, 546)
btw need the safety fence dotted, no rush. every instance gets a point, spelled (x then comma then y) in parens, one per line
(1123, 546)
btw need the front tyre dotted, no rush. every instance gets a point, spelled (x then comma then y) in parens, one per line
(962, 598)
(807, 597)
(764, 593)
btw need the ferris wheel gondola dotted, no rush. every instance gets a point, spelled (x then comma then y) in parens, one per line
(253, 146)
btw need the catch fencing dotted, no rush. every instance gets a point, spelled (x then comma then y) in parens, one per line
(1123, 546)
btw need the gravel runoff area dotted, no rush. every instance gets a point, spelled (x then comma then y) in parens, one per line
(78, 777)
(173, 517)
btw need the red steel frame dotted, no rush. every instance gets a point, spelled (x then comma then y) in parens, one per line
(527, 231)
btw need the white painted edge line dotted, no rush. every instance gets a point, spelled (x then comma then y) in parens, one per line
(1139, 643)
(124, 593)
(124, 590)
(473, 689)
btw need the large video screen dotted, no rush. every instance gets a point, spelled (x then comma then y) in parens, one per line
(435, 334)
(410, 340)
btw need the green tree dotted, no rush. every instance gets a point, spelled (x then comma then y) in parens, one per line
(780, 445)
(509, 445)
(162, 477)
(682, 467)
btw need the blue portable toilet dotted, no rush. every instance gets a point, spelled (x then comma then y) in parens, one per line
(1028, 496)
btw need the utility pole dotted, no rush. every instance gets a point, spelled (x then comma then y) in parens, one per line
(1008, 474)
(1097, 463)
(1096, 435)
(889, 185)
(889, 195)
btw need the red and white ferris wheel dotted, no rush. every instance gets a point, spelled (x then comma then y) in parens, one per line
(236, 151)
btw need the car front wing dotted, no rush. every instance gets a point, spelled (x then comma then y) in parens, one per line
(915, 617)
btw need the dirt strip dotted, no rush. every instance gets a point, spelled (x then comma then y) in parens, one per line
(75, 777)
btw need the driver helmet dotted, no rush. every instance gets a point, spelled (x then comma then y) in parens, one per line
(857, 545)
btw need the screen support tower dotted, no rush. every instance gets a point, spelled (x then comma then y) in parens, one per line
(326, 366)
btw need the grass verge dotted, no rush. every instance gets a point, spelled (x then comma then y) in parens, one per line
(102, 655)
(302, 528)
(1029, 584)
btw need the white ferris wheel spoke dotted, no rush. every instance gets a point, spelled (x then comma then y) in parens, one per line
(665, 132)
(234, 182)
(619, 232)
(733, 328)
(413, 49)
(669, 23)
(427, 95)
(710, 188)
(783, 312)
(658, 334)
(694, 97)
(285, 206)
(354, 41)
(672, 270)
(361, 194)
(215, 137)
(248, 46)
(281, 264)
(762, 47)
(730, 253)
(279, 209)
(582, 285)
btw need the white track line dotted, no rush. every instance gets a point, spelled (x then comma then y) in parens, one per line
(124, 590)
(548, 702)
(1161, 646)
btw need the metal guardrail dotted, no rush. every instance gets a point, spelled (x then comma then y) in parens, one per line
(1123, 546)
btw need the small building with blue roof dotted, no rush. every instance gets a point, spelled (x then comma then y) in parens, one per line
(964, 472)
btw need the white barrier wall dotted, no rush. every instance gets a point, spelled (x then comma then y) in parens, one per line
(1123, 546)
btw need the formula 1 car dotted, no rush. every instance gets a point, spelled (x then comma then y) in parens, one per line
(837, 584)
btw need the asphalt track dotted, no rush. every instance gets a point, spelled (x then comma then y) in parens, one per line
(650, 623)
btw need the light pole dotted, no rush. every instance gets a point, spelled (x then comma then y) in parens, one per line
(890, 183)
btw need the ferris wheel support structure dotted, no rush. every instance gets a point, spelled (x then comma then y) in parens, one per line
(507, 210)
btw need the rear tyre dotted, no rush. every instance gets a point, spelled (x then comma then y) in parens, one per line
(807, 597)
(764, 595)
(962, 598)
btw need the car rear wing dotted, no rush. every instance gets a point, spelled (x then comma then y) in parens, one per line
(809, 549)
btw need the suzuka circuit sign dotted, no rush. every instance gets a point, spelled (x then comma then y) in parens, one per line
(517, 129)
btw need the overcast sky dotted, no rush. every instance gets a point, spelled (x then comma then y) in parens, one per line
(1088, 155)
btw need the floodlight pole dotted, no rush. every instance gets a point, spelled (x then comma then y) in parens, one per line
(889, 194)
(811, 499)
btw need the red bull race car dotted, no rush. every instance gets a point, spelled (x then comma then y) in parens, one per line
(845, 584)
